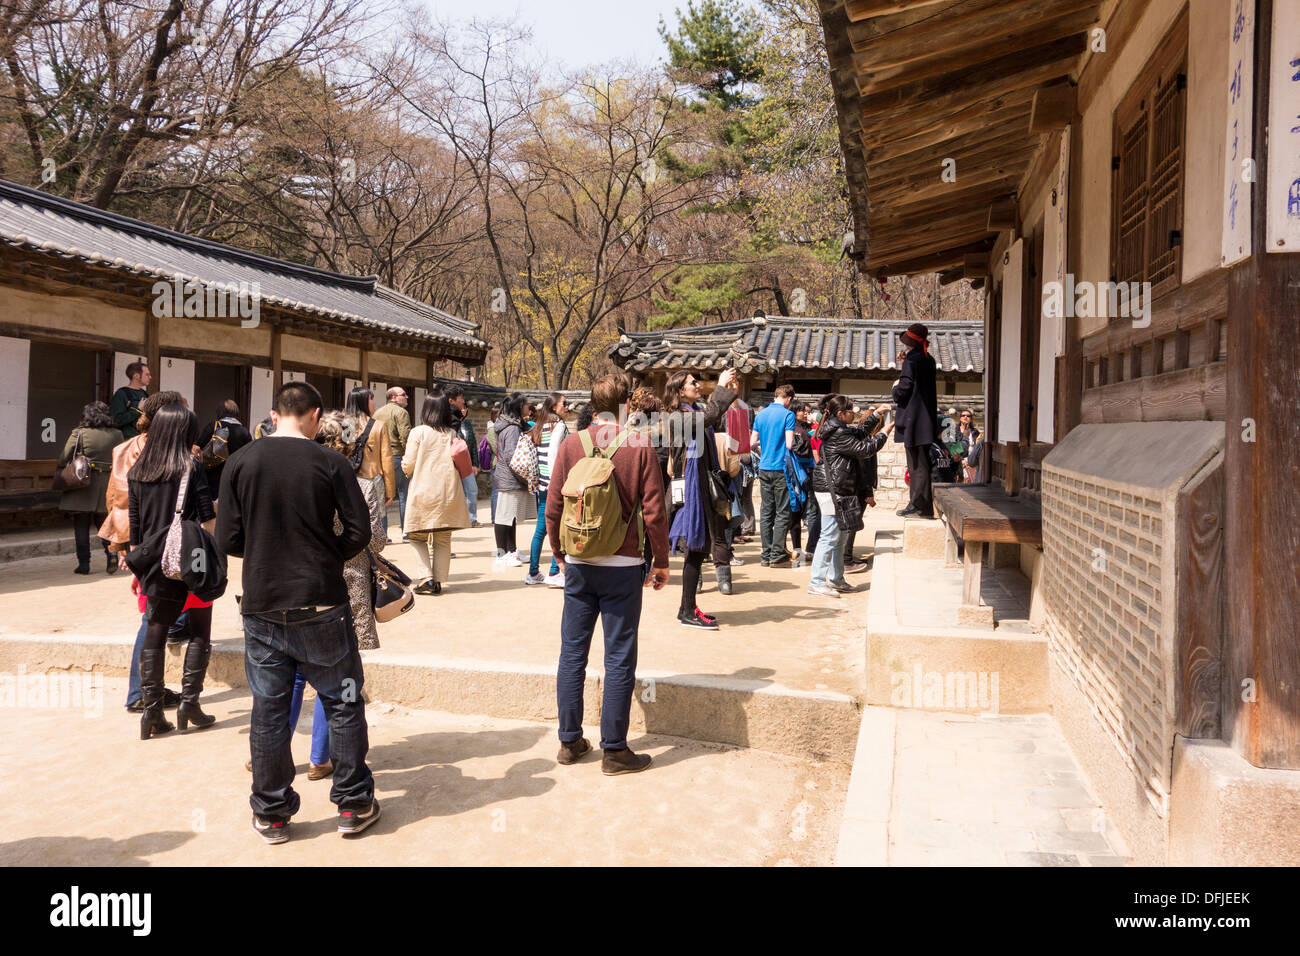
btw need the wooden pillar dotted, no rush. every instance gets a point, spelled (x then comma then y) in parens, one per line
(277, 369)
(363, 370)
(1070, 368)
(1261, 647)
(152, 348)
(428, 370)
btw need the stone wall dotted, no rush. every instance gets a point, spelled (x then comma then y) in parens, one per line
(1115, 527)
(891, 465)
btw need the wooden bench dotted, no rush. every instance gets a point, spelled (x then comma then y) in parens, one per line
(976, 515)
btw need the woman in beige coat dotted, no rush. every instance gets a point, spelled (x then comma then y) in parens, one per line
(435, 501)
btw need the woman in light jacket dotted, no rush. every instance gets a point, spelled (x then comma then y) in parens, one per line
(514, 500)
(435, 500)
(372, 456)
(95, 437)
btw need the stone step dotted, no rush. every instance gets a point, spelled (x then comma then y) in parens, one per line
(951, 668)
(923, 538)
(717, 709)
(41, 543)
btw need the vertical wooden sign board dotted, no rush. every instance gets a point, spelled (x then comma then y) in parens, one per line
(1051, 341)
(1283, 187)
(1013, 274)
(1238, 149)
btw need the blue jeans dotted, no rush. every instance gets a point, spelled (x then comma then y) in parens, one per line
(615, 595)
(539, 536)
(470, 486)
(774, 518)
(320, 729)
(812, 519)
(494, 504)
(402, 482)
(325, 648)
(133, 681)
(828, 561)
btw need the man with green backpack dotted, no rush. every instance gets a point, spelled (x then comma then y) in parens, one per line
(611, 498)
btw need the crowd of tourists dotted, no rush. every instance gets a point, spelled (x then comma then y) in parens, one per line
(304, 501)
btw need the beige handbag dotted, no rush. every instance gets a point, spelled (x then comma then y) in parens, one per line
(171, 556)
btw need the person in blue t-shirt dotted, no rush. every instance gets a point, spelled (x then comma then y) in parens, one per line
(773, 433)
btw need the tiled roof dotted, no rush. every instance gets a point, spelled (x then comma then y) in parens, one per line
(36, 221)
(782, 343)
(484, 395)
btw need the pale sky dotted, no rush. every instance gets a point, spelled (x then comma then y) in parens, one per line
(577, 33)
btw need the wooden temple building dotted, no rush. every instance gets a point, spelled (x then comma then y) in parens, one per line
(79, 293)
(1062, 153)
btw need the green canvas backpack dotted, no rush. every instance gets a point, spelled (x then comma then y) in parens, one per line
(592, 524)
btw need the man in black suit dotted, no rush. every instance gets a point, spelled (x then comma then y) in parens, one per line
(917, 401)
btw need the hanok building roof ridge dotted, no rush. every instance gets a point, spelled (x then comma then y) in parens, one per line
(761, 345)
(53, 226)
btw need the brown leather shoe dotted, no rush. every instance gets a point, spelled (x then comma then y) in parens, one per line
(573, 750)
(320, 771)
(623, 761)
(782, 563)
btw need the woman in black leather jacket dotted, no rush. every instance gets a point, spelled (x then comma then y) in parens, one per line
(836, 482)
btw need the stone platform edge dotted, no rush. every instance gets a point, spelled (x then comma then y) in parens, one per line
(726, 710)
(1019, 660)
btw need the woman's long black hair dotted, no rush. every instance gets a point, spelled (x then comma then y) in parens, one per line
(832, 406)
(358, 403)
(173, 431)
(545, 415)
(436, 412)
(515, 405)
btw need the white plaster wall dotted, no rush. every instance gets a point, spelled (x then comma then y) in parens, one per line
(176, 375)
(262, 391)
(15, 363)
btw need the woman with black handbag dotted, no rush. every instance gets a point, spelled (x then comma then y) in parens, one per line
(165, 474)
(836, 483)
(94, 439)
(697, 511)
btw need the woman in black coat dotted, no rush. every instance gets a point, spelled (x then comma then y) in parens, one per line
(153, 484)
(918, 404)
(687, 422)
(837, 482)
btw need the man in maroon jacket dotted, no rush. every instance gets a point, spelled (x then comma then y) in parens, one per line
(607, 586)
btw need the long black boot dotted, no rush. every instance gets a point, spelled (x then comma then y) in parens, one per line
(196, 668)
(723, 571)
(152, 721)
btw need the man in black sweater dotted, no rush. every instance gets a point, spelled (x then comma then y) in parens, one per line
(917, 401)
(279, 498)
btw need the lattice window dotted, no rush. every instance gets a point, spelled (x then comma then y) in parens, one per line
(1147, 179)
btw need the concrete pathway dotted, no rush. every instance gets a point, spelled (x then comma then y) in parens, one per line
(455, 790)
(944, 789)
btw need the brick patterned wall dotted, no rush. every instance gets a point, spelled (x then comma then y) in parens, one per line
(891, 464)
(1103, 548)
